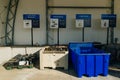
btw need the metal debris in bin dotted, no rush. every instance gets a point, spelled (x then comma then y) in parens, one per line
(20, 61)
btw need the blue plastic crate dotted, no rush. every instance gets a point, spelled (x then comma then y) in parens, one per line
(88, 60)
(75, 44)
(92, 65)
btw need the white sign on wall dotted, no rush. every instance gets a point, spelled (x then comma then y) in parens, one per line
(27, 23)
(53, 23)
(83, 20)
(104, 23)
(79, 23)
(57, 21)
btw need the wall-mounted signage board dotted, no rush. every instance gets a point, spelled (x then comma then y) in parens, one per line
(57, 21)
(108, 20)
(31, 20)
(83, 20)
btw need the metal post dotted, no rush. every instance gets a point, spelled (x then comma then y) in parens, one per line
(31, 36)
(112, 29)
(58, 36)
(83, 31)
(47, 29)
(107, 36)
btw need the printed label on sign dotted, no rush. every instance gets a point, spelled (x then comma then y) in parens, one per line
(79, 23)
(62, 23)
(53, 23)
(35, 23)
(27, 23)
(22, 62)
(104, 23)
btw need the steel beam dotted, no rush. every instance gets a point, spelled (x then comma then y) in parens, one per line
(10, 22)
(47, 31)
(82, 7)
(112, 29)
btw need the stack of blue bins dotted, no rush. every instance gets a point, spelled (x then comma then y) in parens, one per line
(87, 60)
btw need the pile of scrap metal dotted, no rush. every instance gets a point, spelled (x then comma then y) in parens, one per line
(20, 61)
(56, 48)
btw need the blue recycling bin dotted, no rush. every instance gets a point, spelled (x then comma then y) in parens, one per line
(87, 60)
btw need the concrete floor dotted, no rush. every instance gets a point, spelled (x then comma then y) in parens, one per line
(48, 74)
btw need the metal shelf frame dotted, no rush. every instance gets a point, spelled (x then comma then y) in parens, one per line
(10, 22)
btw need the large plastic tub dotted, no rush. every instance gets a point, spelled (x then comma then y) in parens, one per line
(76, 45)
(87, 60)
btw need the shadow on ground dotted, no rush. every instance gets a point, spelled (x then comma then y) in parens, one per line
(114, 70)
(70, 71)
(114, 73)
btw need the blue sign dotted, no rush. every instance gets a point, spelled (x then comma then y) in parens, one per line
(111, 19)
(83, 20)
(35, 19)
(61, 20)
